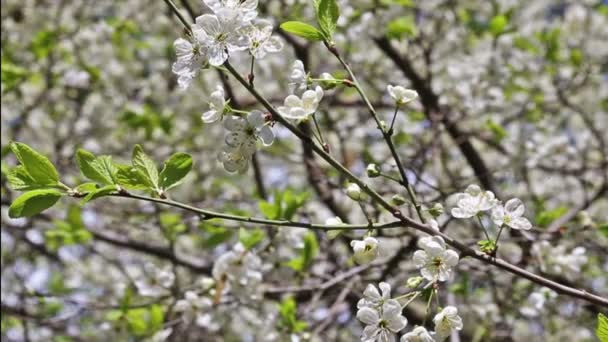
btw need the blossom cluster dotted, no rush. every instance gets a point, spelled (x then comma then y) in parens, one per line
(213, 37)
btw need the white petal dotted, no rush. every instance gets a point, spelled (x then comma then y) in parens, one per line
(256, 118)
(368, 316)
(520, 223)
(209, 23)
(266, 135)
(217, 54)
(450, 258)
(210, 116)
(514, 207)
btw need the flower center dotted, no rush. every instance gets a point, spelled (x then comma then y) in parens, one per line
(437, 262)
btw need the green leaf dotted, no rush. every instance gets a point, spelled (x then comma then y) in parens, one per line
(33, 202)
(270, 210)
(251, 237)
(602, 327)
(175, 169)
(497, 130)
(328, 13)
(145, 165)
(498, 24)
(132, 178)
(288, 320)
(303, 30)
(20, 180)
(99, 169)
(402, 27)
(603, 228)
(216, 235)
(86, 187)
(100, 192)
(487, 246)
(546, 217)
(39, 167)
(307, 254)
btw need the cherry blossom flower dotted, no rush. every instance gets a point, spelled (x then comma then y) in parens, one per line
(382, 322)
(372, 297)
(239, 266)
(419, 334)
(434, 260)
(190, 58)
(246, 8)
(401, 95)
(446, 321)
(366, 250)
(244, 133)
(511, 215)
(472, 201)
(217, 106)
(196, 308)
(261, 39)
(298, 78)
(234, 159)
(221, 33)
(300, 109)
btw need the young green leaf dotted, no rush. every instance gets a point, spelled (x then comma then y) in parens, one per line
(303, 30)
(328, 13)
(175, 169)
(251, 237)
(498, 24)
(104, 191)
(602, 327)
(20, 180)
(39, 167)
(33, 202)
(143, 163)
(132, 178)
(98, 169)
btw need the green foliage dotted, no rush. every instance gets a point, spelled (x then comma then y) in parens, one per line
(303, 30)
(603, 228)
(38, 171)
(498, 132)
(100, 192)
(328, 13)
(98, 169)
(172, 225)
(140, 322)
(284, 206)
(288, 321)
(11, 75)
(214, 235)
(402, 27)
(498, 24)
(251, 237)
(149, 120)
(174, 170)
(146, 166)
(44, 42)
(70, 231)
(306, 254)
(546, 217)
(33, 202)
(602, 327)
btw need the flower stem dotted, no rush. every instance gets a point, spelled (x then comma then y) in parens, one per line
(390, 130)
(484, 229)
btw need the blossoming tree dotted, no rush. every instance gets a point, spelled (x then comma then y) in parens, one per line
(306, 170)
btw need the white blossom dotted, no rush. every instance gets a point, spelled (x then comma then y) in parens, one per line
(446, 321)
(196, 308)
(434, 260)
(382, 322)
(190, 58)
(353, 190)
(217, 106)
(234, 159)
(374, 298)
(536, 302)
(240, 268)
(246, 8)
(297, 108)
(366, 250)
(472, 201)
(511, 214)
(333, 221)
(221, 33)
(298, 79)
(419, 334)
(261, 39)
(401, 95)
(244, 133)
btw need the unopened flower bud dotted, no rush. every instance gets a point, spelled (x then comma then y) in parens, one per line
(373, 170)
(354, 191)
(436, 210)
(398, 199)
(414, 282)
